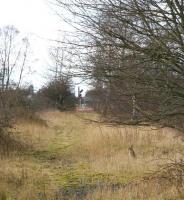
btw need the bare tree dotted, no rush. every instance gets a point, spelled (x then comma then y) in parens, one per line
(13, 57)
(14, 50)
(136, 48)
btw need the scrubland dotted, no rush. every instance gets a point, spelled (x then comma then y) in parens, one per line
(67, 156)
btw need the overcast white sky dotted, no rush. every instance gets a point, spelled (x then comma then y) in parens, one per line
(28, 15)
(37, 20)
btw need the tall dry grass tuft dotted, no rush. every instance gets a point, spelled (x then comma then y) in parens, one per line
(106, 148)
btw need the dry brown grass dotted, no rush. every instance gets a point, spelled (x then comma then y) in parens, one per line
(73, 159)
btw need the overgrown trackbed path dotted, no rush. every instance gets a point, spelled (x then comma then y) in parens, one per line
(69, 158)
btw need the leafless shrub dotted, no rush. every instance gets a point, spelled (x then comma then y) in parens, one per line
(57, 94)
(171, 174)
